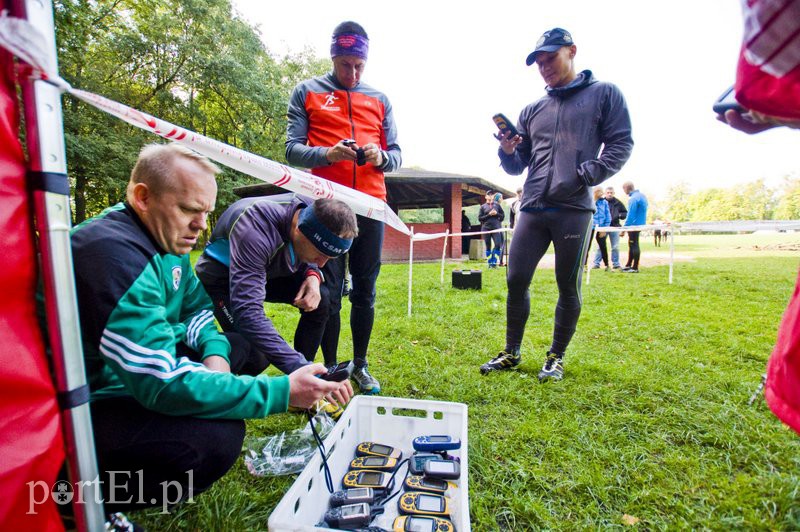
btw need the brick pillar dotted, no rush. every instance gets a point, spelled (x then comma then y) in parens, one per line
(452, 217)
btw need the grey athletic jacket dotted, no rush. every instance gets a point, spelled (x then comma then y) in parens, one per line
(563, 133)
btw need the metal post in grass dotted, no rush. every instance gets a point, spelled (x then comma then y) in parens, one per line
(444, 252)
(410, 266)
(671, 250)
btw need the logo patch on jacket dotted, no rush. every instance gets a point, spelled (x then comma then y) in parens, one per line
(176, 277)
(330, 101)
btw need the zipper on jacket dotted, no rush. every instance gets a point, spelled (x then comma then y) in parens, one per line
(552, 153)
(353, 133)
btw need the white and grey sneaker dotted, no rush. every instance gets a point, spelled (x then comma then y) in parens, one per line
(368, 384)
(553, 368)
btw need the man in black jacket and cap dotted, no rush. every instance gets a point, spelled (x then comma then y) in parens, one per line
(560, 142)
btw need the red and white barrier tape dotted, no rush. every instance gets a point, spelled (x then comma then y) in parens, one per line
(24, 41)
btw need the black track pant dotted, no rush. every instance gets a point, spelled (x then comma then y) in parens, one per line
(569, 231)
(633, 250)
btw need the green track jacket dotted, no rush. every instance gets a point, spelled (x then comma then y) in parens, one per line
(136, 303)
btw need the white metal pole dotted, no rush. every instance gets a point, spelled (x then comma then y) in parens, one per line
(410, 267)
(47, 154)
(444, 252)
(671, 251)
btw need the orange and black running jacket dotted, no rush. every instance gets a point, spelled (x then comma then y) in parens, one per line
(322, 113)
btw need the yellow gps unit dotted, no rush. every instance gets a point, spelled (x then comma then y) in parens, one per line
(369, 448)
(432, 485)
(376, 463)
(365, 478)
(421, 503)
(418, 523)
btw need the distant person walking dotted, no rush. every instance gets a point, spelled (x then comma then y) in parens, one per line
(515, 208)
(602, 218)
(618, 212)
(637, 215)
(491, 216)
(657, 233)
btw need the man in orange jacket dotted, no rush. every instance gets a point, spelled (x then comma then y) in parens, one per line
(344, 131)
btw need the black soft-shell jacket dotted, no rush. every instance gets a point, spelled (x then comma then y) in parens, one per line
(563, 135)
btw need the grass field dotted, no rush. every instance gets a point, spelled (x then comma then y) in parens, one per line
(650, 429)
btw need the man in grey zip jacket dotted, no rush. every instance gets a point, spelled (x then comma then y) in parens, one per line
(560, 141)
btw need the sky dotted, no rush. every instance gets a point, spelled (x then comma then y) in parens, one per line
(448, 66)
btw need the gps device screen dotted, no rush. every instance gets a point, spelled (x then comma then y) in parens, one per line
(370, 478)
(354, 509)
(437, 439)
(357, 493)
(439, 466)
(429, 503)
(420, 524)
(381, 449)
(434, 483)
(374, 461)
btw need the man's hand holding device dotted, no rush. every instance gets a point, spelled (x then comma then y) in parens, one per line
(508, 135)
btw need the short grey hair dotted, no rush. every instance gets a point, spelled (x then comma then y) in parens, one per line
(155, 164)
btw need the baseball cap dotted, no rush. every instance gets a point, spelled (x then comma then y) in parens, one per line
(550, 41)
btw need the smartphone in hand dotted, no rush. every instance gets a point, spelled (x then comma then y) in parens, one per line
(728, 101)
(504, 125)
(339, 372)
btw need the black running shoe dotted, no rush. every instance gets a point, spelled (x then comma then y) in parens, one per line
(503, 360)
(553, 368)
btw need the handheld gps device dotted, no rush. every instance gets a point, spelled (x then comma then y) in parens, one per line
(418, 523)
(416, 462)
(443, 469)
(728, 101)
(349, 517)
(504, 125)
(377, 463)
(365, 478)
(352, 496)
(420, 483)
(339, 372)
(421, 503)
(361, 157)
(369, 448)
(432, 444)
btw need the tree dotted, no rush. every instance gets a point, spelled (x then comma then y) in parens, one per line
(190, 62)
(756, 201)
(677, 209)
(788, 207)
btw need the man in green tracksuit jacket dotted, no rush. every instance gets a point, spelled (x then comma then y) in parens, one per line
(165, 397)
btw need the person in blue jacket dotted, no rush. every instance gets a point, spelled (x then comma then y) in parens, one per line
(602, 218)
(637, 215)
(560, 140)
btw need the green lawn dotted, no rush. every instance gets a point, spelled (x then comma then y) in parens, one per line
(651, 423)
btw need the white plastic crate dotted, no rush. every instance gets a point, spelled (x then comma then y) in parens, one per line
(388, 420)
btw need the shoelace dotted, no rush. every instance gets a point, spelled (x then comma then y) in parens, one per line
(502, 355)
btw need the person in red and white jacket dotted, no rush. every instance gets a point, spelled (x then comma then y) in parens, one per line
(768, 89)
(344, 130)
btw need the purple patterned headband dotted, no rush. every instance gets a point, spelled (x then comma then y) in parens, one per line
(350, 44)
